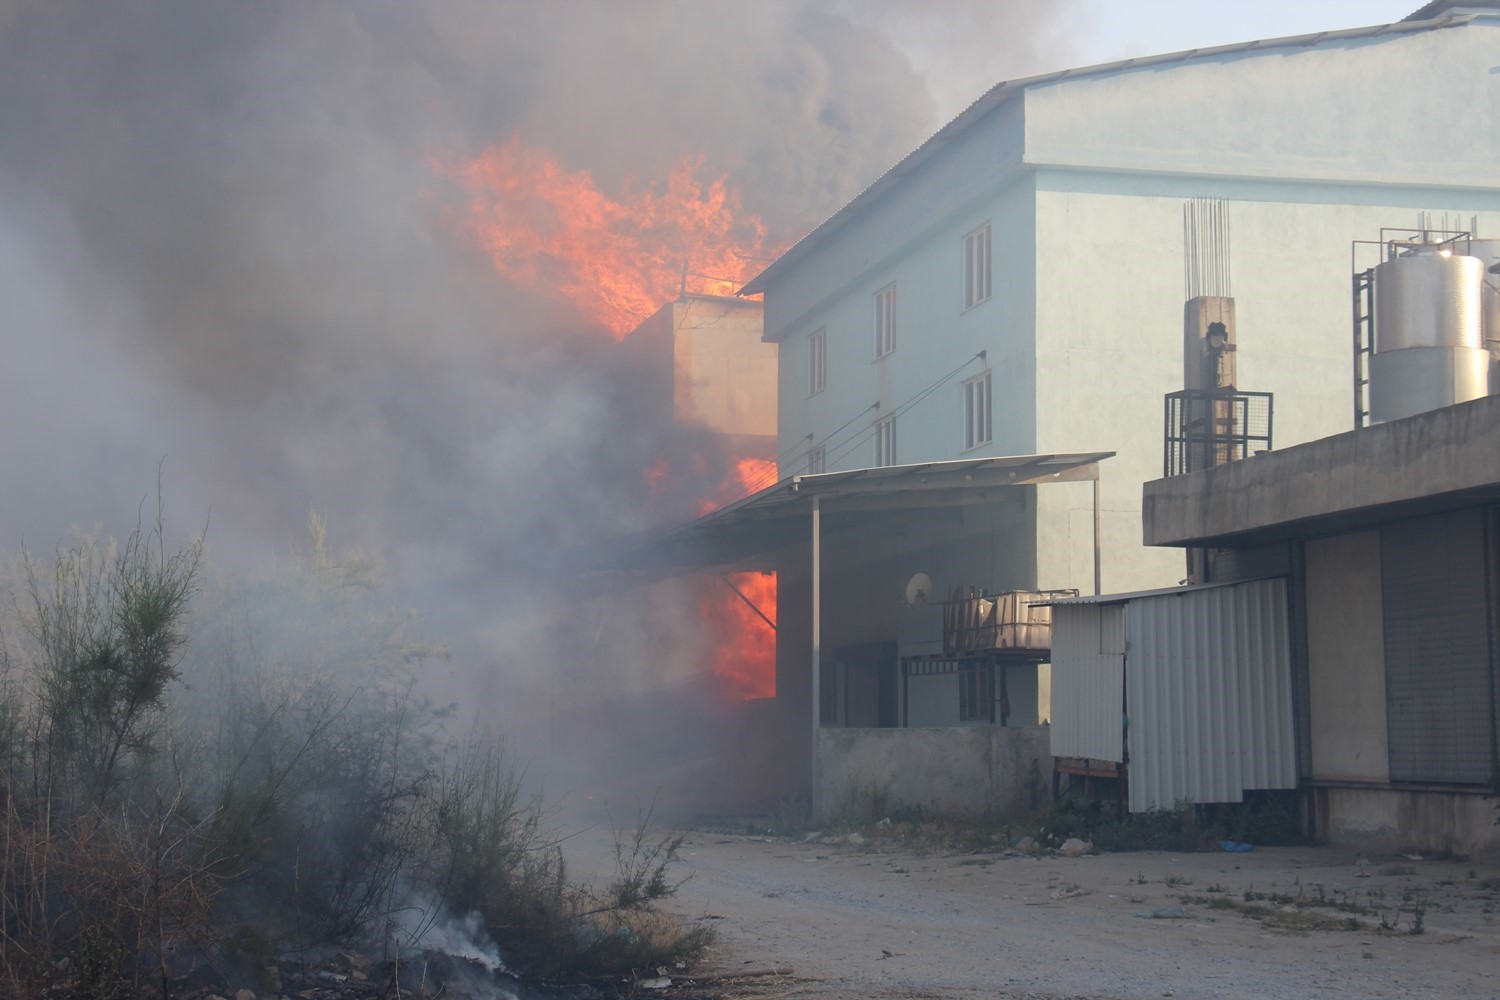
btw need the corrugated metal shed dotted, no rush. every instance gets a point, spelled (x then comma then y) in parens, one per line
(1207, 687)
(1088, 681)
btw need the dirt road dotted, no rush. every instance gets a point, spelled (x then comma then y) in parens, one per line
(857, 921)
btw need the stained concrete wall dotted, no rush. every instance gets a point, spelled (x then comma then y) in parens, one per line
(1346, 658)
(1385, 819)
(969, 770)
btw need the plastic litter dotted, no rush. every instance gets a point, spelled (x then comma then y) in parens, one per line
(1236, 846)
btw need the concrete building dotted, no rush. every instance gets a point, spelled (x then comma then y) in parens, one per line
(708, 365)
(1388, 539)
(1015, 285)
(1015, 288)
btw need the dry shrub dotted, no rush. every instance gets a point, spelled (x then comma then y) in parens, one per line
(296, 794)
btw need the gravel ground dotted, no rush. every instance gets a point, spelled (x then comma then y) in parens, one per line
(871, 921)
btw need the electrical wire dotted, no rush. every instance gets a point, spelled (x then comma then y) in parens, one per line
(867, 434)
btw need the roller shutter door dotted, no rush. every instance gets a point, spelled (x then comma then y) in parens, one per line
(1436, 609)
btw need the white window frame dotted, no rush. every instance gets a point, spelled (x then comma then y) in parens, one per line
(817, 460)
(817, 361)
(977, 267)
(979, 411)
(885, 441)
(885, 321)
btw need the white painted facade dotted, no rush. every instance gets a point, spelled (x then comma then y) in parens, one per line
(1082, 178)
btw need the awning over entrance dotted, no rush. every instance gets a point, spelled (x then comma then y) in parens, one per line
(742, 533)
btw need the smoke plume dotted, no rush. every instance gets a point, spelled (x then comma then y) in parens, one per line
(223, 250)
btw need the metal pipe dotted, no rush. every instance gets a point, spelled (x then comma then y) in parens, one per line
(1097, 591)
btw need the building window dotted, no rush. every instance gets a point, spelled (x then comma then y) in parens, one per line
(976, 698)
(885, 441)
(817, 461)
(817, 361)
(885, 320)
(977, 411)
(977, 267)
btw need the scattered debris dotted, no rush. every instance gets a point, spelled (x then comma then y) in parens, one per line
(1163, 913)
(1075, 848)
(719, 977)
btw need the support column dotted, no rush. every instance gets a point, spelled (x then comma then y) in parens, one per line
(817, 644)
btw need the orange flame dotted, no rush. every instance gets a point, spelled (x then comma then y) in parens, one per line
(617, 259)
(744, 645)
(751, 475)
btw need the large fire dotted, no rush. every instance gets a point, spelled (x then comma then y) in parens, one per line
(617, 259)
(744, 643)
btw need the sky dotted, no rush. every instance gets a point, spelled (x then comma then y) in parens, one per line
(1099, 31)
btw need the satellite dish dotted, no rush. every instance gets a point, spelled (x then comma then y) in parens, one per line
(918, 590)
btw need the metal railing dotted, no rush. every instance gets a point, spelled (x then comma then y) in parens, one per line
(1209, 427)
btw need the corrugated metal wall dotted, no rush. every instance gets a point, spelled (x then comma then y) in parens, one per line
(1208, 691)
(1088, 675)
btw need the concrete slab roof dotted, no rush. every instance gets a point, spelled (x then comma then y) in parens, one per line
(1009, 89)
(745, 532)
(1442, 460)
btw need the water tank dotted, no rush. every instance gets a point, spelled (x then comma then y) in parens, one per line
(1488, 252)
(1429, 335)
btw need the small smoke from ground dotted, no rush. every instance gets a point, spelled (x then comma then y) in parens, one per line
(423, 925)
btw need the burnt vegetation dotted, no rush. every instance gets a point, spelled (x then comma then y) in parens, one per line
(215, 780)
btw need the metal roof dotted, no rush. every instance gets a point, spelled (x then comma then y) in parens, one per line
(1431, 10)
(1004, 91)
(779, 516)
(1135, 594)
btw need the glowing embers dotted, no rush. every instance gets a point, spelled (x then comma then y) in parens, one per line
(617, 259)
(737, 611)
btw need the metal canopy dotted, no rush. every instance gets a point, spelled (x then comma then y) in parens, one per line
(780, 516)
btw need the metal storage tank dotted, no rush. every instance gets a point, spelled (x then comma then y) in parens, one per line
(1488, 252)
(1429, 335)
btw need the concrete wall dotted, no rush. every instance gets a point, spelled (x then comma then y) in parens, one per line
(932, 700)
(1346, 478)
(959, 770)
(1384, 109)
(1383, 820)
(725, 373)
(704, 361)
(1346, 658)
(1110, 328)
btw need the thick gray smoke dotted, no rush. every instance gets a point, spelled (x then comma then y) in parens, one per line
(222, 245)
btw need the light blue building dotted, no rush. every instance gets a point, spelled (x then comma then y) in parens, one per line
(1016, 287)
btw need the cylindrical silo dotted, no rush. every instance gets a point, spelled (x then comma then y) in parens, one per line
(1488, 252)
(1429, 336)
